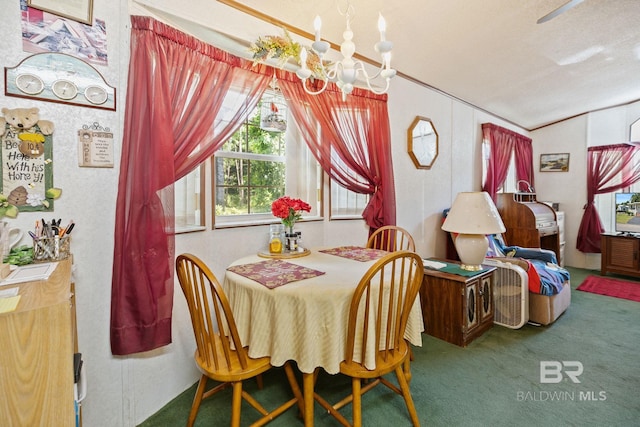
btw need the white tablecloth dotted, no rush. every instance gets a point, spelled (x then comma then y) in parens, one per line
(304, 321)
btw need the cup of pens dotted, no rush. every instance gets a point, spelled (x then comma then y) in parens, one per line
(51, 242)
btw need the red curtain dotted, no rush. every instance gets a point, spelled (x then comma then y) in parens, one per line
(502, 142)
(609, 168)
(184, 99)
(351, 140)
(177, 86)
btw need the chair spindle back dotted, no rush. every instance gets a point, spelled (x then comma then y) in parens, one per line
(214, 334)
(382, 303)
(391, 238)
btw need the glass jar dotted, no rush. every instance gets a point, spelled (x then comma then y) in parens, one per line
(276, 234)
(292, 242)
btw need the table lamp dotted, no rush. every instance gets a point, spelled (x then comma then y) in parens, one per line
(473, 216)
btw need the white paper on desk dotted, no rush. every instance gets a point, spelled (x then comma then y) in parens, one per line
(31, 272)
(433, 264)
(8, 293)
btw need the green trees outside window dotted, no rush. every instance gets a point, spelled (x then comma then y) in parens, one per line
(250, 170)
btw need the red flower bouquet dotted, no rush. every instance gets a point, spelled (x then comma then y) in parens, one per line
(289, 210)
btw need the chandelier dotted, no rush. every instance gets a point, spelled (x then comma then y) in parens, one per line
(346, 71)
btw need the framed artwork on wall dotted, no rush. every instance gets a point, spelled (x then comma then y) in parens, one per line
(78, 10)
(554, 162)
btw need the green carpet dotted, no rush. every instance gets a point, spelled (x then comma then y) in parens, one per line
(494, 381)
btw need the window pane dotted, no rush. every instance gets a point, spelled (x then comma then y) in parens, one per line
(266, 173)
(262, 197)
(231, 171)
(231, 201)
(346, 203)
(188, 200)
(237, 142)
(257, 166)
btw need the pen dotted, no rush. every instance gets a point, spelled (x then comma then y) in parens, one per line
(68, 229)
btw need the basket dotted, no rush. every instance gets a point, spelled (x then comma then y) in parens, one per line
(47, 249)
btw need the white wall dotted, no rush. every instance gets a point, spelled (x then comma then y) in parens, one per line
(605, 127)
(124, 391)
(88, 197)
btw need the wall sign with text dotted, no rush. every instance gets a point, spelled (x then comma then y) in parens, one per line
(95, 147)
(26, 178)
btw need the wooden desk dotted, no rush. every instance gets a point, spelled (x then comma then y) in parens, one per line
(36, 360)
(457, 309)
(304, 321)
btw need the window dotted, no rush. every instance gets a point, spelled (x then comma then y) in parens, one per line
(510, 184)
(346, 204)
(189, 199)
(256, 166)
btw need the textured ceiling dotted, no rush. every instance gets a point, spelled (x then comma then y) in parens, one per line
(491, 53)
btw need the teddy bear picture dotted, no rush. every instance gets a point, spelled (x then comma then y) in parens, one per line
(30, 130)
(25, 161)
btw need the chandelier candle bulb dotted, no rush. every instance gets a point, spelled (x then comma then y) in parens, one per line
(303, 58)
(317, 24)
(382, 26)
(348, 71)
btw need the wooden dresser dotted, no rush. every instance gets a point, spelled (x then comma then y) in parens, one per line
(37, 343)
(529, 223)
(620, 254)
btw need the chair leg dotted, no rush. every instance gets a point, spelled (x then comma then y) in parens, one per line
(259, 382)
(197, 399)
(295, 388)
(357, 402)
(407, 368)
(406, 393)
(236, 403)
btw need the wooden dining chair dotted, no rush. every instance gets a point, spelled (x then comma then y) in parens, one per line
(391, 238)
(378, 316)
(220, 355)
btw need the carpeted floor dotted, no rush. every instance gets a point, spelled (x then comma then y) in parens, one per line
(495, 381)
(611, 287)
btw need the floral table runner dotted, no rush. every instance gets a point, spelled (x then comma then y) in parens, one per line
(274, 272)
(357, 253)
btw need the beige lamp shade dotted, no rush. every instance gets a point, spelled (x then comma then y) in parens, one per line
(473, 216)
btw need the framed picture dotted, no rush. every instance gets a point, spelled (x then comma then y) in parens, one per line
(78, 10)
(556, 162)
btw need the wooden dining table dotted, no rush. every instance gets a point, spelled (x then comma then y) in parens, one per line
(297, 308)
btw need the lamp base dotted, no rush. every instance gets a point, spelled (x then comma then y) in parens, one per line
(471, 267)
(472, 249)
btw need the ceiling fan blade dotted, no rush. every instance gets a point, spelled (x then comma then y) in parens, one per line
(568, 5)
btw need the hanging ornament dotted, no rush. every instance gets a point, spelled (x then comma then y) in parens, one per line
(273, 112)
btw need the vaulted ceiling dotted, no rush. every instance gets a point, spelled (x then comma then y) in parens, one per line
(491, 53)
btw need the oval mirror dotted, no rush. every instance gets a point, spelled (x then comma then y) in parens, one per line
(422, 142)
